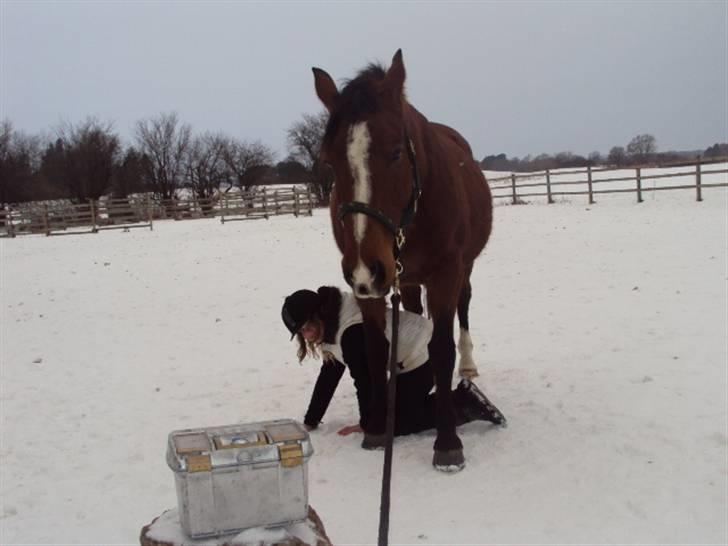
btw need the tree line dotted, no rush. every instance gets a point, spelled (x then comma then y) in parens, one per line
(640, 151)
(88, 160)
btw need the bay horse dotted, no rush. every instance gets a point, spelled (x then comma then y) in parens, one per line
(398, 174)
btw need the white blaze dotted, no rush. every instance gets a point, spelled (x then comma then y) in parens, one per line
(357, 152)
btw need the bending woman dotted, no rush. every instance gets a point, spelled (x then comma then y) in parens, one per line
(329, 322)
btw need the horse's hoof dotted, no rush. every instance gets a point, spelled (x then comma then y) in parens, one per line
(451, 460)
(374, 441)
(468, 373)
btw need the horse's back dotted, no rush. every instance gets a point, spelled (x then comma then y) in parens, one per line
(468, 180)
(448, 133)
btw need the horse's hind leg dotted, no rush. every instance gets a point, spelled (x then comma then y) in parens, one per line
(466, 366)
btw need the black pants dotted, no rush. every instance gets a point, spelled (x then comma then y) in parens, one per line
(415, 405)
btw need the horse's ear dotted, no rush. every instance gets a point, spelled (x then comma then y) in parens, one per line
(394, 80)
(325, 88)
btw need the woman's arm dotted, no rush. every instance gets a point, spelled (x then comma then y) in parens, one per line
(323, 391)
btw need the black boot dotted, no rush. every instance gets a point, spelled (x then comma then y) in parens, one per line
(471, 404)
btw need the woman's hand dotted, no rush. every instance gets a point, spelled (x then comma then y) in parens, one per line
(350, 429)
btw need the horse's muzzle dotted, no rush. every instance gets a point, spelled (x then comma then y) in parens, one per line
(367, 280)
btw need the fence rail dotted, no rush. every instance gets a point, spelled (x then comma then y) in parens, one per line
(693, 176)
(64, 218)
(265, 203)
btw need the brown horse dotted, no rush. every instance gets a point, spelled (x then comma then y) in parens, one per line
(398, 173)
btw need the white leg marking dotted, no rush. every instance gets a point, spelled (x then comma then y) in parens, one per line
(466, 367)
(357, 152)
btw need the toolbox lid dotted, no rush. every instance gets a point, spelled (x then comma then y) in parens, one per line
(205, 449)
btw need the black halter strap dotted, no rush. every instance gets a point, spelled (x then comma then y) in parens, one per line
(397, 232)
(408, 213)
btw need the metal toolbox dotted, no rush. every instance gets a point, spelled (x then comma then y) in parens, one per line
(231, 478)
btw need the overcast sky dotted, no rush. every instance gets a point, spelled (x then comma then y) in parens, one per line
(518, 78)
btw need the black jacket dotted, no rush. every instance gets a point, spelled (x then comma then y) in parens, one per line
(352, 346)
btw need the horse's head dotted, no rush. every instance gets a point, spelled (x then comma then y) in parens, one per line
(366, 145)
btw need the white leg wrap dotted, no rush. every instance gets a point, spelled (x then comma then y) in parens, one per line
(466, 367)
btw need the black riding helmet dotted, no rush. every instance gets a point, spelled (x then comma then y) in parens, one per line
(298, 308)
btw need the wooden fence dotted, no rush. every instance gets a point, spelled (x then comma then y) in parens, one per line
(65, 218)
(265, 203)
(592, 182)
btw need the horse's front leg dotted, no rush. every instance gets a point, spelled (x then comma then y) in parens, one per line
(412, 298)
(377, 352)
(442, 301)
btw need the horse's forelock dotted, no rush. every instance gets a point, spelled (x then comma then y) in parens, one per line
(358, 99)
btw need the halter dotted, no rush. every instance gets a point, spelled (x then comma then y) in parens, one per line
(407, 215)
(397, 232)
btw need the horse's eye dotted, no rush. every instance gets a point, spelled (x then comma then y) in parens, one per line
(396, 154)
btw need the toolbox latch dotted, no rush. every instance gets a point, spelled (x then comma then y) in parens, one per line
(199, 463)
(291, 455)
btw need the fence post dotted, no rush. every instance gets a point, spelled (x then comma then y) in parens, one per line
(150, 213)
(698, 181)
(513, 188)
(296, 202)
(46, 222)
(639, 184)
(265, 204)
(9, 220)
(589, 181)
(548, 187)
(93, 216)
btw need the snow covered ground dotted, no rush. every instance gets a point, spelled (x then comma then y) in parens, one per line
(600, 332)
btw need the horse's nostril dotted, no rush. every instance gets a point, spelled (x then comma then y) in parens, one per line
(362, 290)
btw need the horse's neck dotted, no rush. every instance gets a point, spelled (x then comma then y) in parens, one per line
(420, 133)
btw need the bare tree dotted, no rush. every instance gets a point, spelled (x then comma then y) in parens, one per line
(304, 143)
(128, 174)
(82, 159)
(290, 171)
(19, 167)
(247, 162)
(205, 167)
(595, 158)
(641, 148)
(163, 141)
(717, 150)
(305, 137)
(617, 156)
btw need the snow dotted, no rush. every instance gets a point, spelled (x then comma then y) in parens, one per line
(168, 529)
(600, 331)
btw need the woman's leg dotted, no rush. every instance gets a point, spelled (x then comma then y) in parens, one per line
(415, 406)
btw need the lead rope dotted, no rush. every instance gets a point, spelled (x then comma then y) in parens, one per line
(391, 401)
